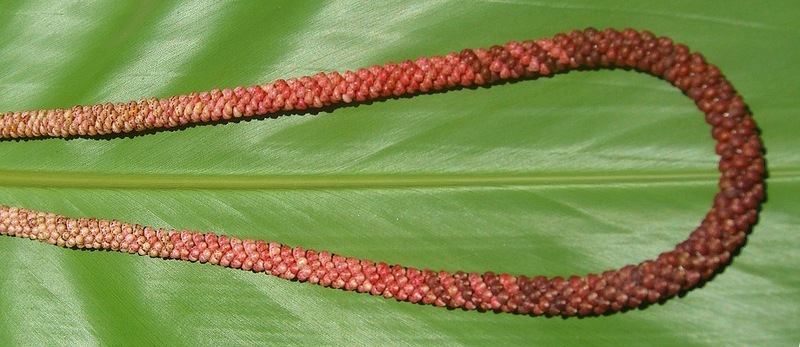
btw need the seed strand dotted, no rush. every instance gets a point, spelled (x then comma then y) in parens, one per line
(707, 250)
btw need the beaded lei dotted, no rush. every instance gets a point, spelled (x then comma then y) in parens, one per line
(707, 250)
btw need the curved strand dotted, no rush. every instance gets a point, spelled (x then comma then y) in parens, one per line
(705, 252)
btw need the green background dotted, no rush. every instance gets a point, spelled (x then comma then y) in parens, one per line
(579, 173)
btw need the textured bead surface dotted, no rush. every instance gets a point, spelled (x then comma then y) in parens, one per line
(705, 252)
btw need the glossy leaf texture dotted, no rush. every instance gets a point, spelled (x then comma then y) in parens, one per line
(578, 173)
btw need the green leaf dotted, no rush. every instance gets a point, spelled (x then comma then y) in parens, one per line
(578, 173)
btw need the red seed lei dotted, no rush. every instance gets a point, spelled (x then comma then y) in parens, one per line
(707, 250)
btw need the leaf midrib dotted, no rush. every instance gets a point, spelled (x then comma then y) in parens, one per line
(337, 181)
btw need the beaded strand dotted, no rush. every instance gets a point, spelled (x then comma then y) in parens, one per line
(707, 250)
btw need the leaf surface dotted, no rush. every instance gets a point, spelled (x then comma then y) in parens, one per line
(579, 173)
